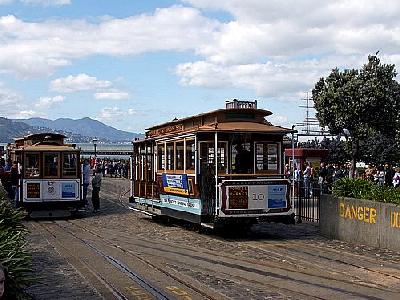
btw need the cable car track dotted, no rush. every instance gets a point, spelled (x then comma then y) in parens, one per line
(247, 261)
(152, 289)
(295, 257)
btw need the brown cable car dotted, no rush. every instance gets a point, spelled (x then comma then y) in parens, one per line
(221, 167)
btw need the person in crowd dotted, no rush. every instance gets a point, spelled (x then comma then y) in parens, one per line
(338, 172)
(96, 185)
(7, 167)
(396, 178)
(307, 173)
(103, 168)
(287, 171)
(86, 179)
(297, 174)
(380, 176)
(14, 179)
(322, 174)
(2, 281)
(389, 174)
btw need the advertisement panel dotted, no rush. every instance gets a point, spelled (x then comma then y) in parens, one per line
(33, 190)
(277, 196)
(189, 205)
(68, 189)
(176, 184)
(255, 195)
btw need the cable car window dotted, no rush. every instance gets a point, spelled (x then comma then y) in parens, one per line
(170, 156)
(190, 155)
(161, 156)
(242, 158)
(266, 157)
(32, 164)
(69, 165)
(207, 156)
(51, 164)
(179, 156)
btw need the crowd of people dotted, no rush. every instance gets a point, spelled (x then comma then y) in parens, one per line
(326, 174)
(110, 168)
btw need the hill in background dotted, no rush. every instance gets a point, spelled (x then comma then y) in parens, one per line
(81, 130)
(10, 130)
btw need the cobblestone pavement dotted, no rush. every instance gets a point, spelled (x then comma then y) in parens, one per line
(122, 254)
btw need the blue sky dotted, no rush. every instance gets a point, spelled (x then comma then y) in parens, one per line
(133, 64)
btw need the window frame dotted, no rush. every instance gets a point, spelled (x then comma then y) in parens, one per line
(58, 164)
(62, 165)
(39, 165)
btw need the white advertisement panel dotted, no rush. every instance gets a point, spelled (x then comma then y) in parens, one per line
(60, 190)
(253, 196)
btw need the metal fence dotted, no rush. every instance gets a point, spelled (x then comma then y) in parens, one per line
(307, 197)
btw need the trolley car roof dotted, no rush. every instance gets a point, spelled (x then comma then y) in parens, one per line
(250, 120)
(262, 112)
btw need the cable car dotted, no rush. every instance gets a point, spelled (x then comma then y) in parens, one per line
(219, 168)
(50, 174)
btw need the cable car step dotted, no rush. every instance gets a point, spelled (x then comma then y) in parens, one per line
(207, 225)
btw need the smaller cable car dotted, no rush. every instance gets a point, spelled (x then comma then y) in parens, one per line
(50, 174)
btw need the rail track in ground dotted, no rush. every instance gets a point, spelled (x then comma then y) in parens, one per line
(124, 255)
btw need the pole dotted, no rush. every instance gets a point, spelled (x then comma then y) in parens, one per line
(216, 172)
(131, 158)
(293, 170)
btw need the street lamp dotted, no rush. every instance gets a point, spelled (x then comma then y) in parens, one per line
(94, 141)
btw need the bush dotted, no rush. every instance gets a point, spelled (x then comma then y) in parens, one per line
(364, 189)
(13, 254)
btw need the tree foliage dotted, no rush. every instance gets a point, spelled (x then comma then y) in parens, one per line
(13, 253)
(362, 105)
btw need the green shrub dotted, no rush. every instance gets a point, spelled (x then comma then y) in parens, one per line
(13, 254)
(364, 189)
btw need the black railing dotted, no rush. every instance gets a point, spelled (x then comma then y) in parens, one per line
(307, 196)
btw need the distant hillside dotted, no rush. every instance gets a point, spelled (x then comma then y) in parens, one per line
(85, 127)
(10, 130)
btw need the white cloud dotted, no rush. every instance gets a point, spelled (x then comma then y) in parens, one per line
(47, 102)
(80, 82)
(11, 103)
(14, 106)
(26, 114)
(269, 79)
(47, 2)
(37, 48)
(280, 120)
(111, 95)
(273, 47)
(114, 114)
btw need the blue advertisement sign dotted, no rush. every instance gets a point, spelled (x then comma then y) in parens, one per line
(68, 190)
(176, 183)
(277, 196)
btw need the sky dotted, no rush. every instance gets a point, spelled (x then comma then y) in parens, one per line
(133, 64)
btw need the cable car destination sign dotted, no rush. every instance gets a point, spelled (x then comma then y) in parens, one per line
(166, 130)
